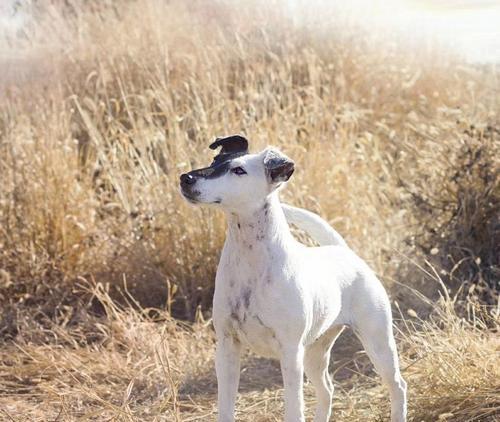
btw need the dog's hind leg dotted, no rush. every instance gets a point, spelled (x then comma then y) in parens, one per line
(377, 338)
(316, 360)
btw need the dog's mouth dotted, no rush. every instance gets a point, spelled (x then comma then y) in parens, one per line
(190, 196)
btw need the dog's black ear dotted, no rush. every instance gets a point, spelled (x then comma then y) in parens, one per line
(234, 144)
(279, 168)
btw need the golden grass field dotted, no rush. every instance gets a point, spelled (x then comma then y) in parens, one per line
(106, 274)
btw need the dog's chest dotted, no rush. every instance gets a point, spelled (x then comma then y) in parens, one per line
(247, 321)
(248, 291)
(243, 301)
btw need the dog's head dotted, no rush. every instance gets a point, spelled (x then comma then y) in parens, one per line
(237, 180)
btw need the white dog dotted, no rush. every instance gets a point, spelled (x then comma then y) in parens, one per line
(280, 297)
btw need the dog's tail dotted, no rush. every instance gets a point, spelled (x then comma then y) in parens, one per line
(313, 225)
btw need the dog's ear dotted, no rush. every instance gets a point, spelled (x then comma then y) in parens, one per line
(279, 168)
(234, 144)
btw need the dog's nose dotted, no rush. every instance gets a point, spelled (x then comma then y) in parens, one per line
(187, 179)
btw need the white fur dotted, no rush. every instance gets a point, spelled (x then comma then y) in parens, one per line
(313, 225)
(289, 301)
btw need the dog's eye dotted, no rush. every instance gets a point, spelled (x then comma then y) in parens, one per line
(238, 170)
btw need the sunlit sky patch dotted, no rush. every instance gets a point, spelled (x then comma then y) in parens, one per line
(469, 27)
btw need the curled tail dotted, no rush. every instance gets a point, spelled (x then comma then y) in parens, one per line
(313, 225)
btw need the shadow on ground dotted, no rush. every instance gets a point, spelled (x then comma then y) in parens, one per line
(348, 362)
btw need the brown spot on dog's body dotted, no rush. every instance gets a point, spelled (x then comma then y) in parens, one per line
(235, 309)
(247, 293)
(266, 209)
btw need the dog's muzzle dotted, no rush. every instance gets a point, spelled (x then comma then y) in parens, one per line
(218, 168)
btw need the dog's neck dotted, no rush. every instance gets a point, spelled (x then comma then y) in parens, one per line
(262, 227)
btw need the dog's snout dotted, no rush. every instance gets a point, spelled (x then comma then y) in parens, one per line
(187, 179)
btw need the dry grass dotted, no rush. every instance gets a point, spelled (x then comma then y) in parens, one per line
(128, 366)
(103, 106)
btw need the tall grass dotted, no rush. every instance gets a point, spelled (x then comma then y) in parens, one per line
(113, 102)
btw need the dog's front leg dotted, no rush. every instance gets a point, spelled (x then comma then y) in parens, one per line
(227, 366)
(292, 369)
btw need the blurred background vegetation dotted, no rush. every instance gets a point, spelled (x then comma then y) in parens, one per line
(105, 103)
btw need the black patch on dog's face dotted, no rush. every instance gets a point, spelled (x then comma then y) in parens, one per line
(212, 172)
(232, 147)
